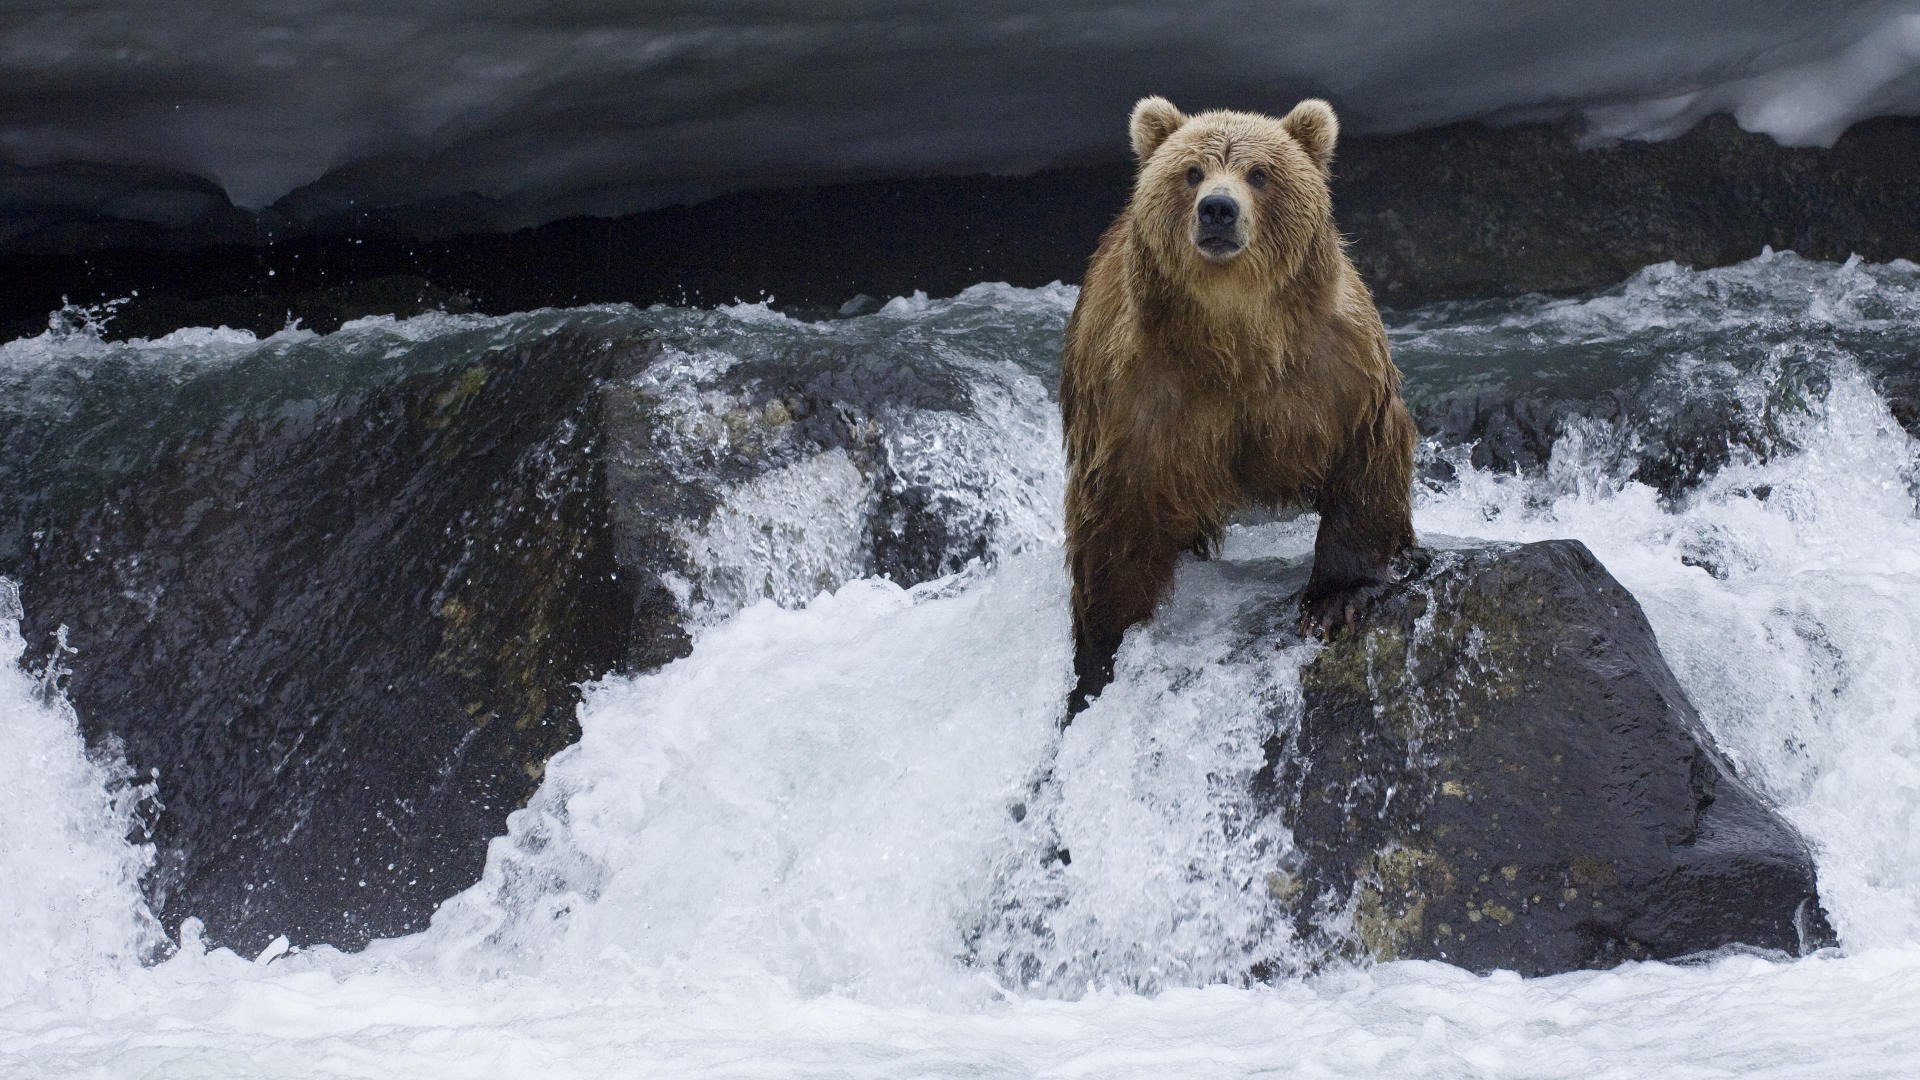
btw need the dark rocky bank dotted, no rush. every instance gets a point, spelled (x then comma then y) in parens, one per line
(1459, 211)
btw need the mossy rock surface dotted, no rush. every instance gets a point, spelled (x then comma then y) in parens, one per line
(1501, 771)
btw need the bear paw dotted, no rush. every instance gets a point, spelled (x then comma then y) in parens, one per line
(1338, 610)
(1334, 613)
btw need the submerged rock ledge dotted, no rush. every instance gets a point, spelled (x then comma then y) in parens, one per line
(1500, 771)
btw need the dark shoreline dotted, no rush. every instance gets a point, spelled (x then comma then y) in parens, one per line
(1454, 212)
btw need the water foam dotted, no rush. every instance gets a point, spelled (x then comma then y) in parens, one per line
(1166, 886)
(961, 421)
(71, 915)
(809, 797)
(824, 844)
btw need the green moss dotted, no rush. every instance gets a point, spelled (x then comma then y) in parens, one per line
(1349, 665)
(503, 623)
(1449, 675)
(1370, 667)
(1417, 697)
(1395, 890)
(1593, 872)
(1284, 887)
(445, 405)
(766, 420)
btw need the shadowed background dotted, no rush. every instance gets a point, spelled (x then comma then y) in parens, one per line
(253, 164)
(553, 109)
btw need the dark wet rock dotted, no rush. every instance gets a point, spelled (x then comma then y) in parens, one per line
(346, 635)
(1899, 384)
(1642, 431)
(1669, 446)
(347, 623)
(831, 397)
(1505, 431)
(1501, 771)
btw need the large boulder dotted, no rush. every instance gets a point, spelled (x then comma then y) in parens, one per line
(341, 604)
(1500, 771)
(343, 633)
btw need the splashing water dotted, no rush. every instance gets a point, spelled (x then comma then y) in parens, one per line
(825, 843)
(71, 915)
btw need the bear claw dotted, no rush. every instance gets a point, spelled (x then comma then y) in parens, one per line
(1335, 613)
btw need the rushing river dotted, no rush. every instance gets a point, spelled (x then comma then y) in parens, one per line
(791, 853)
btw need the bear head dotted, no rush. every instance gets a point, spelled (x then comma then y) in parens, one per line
(1232, 194)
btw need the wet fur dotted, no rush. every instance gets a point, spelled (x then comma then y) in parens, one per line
(1190, 389)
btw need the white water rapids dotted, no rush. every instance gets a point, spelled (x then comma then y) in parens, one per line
(789, 854)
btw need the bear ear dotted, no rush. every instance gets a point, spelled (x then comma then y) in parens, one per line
(1314, 126)
(1154, 118)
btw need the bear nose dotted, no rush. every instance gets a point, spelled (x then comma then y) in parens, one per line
(1219, 211)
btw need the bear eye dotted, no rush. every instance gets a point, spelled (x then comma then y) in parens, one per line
(1194, 176)
(1258, 178)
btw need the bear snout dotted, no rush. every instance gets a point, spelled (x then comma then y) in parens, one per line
(1216, 227)
(1218, 211)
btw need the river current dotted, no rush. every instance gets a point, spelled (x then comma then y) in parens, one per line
(791, 852)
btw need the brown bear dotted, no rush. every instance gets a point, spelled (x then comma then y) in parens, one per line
(1224, 353)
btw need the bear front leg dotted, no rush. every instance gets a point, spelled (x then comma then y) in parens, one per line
(1118, 580)
(1366, 522)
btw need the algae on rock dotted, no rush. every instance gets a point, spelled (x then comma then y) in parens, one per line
(1500, 771)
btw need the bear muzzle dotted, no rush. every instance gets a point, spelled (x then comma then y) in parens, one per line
(1216, 227)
